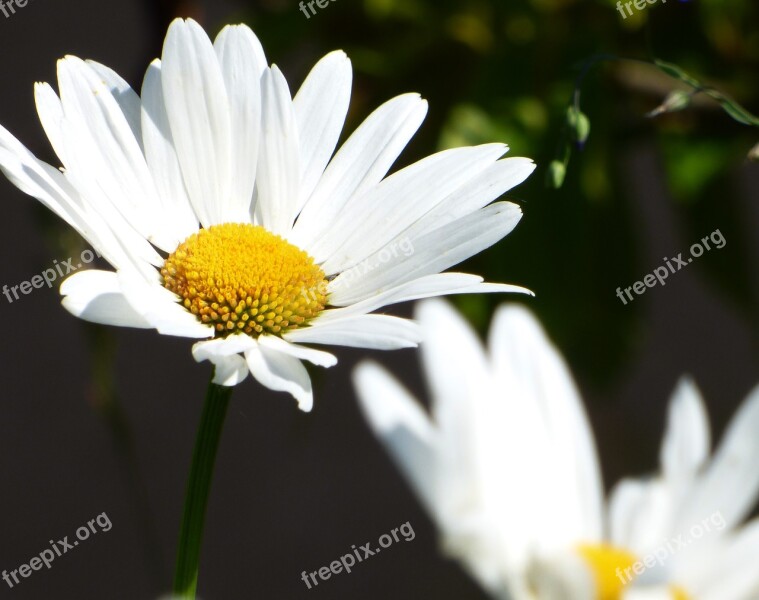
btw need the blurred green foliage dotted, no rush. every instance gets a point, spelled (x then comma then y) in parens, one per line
(503, 71)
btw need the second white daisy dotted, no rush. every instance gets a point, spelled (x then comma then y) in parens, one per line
(505, 464)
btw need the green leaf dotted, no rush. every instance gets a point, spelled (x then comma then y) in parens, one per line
(730, 106)
(677, 73)
(740, 114)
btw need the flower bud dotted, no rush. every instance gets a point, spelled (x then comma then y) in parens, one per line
(556, 173)
(578, 124)
(674, 101)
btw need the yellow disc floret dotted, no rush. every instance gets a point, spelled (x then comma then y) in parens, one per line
(242, 278)
(614, 568)
(611, 568)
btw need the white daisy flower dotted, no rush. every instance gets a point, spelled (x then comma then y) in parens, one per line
(218, 201)
(686, 522)
(505, 464)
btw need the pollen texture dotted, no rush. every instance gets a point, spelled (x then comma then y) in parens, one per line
(242, 278)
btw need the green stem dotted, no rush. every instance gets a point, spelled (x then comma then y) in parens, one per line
(198, 488)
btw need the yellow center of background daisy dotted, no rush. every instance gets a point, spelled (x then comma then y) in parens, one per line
(242, 278)
(613, 569)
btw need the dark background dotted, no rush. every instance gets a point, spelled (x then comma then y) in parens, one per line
(293, 492)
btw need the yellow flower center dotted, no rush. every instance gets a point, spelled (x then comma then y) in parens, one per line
(614, 568)
(242, 278)
(679, 593)
(611, 568)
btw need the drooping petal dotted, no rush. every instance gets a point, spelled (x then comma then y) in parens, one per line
(230, 370)
(282, 373)
(160, 307)
(317, 357)
(224, 353)
(96, 296)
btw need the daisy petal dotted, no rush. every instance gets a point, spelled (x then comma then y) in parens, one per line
(731, 481)
(452, 357)
(160, 307)
(49, 186)
(433, 252)
(242, 63)
(50, 112)
(686, 443)
(224, 354)
(162, 158)
(401, 424)
(424, 287)
(456, 368)
(317, 357)
(228, 346)
(490, 185)
(399, 201)
(440, 284)
(731, 573)
(519, 347)
(640, 515)
(96, 296)
(123, 94)
(381, 332)
(362, 161)
(320, 107)
(97, 129)
(279, 161)
(198, 112)
(281, 373)
(230, 370)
